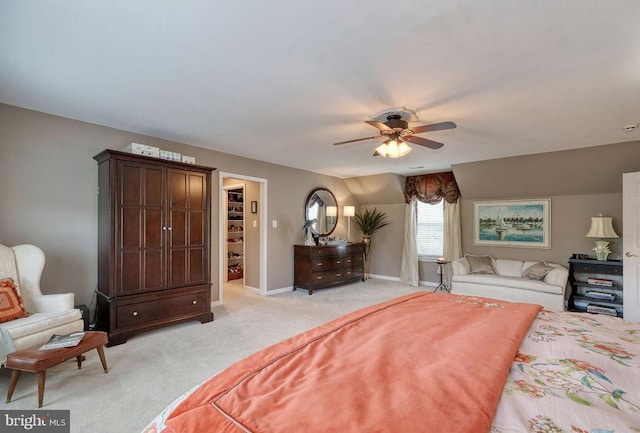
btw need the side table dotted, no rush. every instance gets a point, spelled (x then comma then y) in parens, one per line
(441, 265)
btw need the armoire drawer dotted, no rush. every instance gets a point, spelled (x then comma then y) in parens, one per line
(148, 311)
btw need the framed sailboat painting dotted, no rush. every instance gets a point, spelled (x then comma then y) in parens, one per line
(512, 223)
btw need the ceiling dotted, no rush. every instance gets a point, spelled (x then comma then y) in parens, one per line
(281, 81)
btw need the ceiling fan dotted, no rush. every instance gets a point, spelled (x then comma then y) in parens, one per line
(398, 133)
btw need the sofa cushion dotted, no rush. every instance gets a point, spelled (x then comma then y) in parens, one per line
(537, 271)
(514, 283)
(480, 264)
(510, 268)
(39, 322)
(10, 301)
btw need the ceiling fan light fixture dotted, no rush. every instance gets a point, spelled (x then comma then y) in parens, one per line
(392, 149)
(404, 148)
(382, 149)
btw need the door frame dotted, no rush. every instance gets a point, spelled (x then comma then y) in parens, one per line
(262, 209)
(631, 245)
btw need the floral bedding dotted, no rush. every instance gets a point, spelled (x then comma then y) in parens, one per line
(573, 373)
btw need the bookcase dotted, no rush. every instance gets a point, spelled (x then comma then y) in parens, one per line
(596, 286)
(235, 233)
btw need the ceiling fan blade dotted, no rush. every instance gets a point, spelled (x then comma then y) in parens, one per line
(357, 139)
(423, 142)
(381, 126)
(433, 127)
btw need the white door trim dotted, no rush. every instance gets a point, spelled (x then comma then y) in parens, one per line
(263, 229)
(631, 245)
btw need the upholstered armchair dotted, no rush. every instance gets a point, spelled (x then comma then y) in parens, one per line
(46, 314)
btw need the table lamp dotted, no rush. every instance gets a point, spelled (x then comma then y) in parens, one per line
(601, 228)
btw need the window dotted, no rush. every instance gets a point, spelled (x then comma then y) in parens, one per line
(430, 229)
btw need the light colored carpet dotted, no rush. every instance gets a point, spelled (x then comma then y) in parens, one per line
(152, 369)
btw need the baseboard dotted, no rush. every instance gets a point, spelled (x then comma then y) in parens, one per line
(383, 277)
(388, 278)
(281, 290)
(252, 289)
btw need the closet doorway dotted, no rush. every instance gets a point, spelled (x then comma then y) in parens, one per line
(243, 234)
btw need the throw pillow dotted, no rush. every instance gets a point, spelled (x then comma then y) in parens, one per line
(10, 301)
(480, 264)
(537, 271)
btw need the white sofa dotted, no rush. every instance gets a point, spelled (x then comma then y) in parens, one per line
(48, 314)
(508, 283)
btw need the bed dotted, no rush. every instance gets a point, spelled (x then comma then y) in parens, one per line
(429, 362)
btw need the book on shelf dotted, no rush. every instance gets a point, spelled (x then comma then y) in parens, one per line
(600, 295)
(599, 282)
(59, 341)
(599, 309)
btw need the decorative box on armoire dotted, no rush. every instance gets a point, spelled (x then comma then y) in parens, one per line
(153, 243)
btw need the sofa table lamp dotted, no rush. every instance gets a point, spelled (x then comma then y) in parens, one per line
(348, 211)
(601, 228)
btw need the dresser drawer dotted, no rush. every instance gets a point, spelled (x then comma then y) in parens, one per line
(355, 261)
(319, 265)
(133, 314)
(323, 277)
(355, 249)
(352, 273)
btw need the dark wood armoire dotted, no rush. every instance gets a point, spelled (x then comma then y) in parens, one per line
(153, 243)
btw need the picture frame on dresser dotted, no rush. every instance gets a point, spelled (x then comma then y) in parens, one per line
(512, 223)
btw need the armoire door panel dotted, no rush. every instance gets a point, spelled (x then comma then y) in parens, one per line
(153, 187)
(196, 228)
(177, 267)
(178, 228)
(197, 271)
(130, 184)
(130, 266)
(197, 192)
(153, 262)
(153, 228)
(178, 189)
(130, 230)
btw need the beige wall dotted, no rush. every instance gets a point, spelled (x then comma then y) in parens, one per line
(581, 183)
(49, 196)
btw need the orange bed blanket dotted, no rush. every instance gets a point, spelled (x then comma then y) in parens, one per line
(424, 362)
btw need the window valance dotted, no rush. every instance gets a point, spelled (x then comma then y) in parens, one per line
(431, 188)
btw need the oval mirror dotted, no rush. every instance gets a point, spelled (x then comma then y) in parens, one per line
(322, 206)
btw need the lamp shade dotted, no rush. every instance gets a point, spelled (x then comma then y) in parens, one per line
(601, 227)
(349, 211)
(332, 211)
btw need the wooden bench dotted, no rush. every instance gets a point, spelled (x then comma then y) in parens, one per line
(38, 361)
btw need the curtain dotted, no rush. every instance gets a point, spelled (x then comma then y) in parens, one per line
(409, 271)
(430, 188)
(452, 235)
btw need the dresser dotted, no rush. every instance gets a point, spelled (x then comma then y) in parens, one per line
(316, 267)
(153, 244)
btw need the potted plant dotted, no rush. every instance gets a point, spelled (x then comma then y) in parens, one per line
(369, 222)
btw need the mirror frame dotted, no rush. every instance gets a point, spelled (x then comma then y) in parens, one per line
(306, 211)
